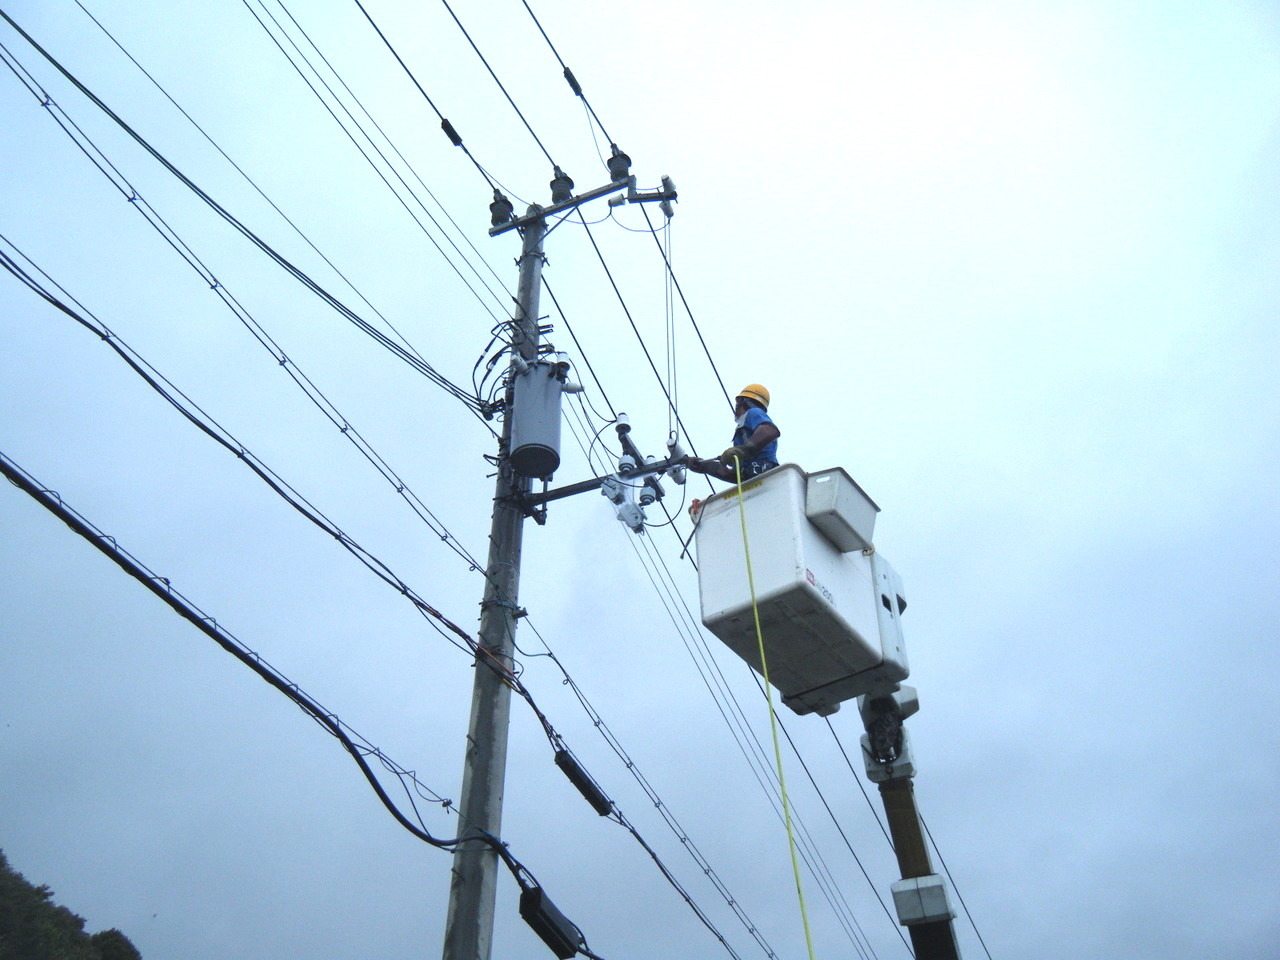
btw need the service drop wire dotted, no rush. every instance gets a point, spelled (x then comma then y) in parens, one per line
(342, 309)
(356, 746)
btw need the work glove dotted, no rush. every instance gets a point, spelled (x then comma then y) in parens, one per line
(743, 453)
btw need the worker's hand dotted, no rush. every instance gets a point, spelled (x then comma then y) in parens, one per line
(741, 453)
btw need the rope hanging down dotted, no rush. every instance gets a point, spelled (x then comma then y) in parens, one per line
(773, 718)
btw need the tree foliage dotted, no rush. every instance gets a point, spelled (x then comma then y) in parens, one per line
(33, 927)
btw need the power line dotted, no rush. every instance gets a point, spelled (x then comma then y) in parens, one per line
(445, 125)
(947, 870)
(210, 427)
(498, 82)
(357, 747)
(418, 364)
(374, 146)
(207, 425)
(154, 378)
(245, 176)
(568, 74)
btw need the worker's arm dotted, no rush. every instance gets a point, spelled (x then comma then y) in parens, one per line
(762, 436)
(712, 468)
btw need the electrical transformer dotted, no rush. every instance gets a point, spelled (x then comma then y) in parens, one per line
(535, 421)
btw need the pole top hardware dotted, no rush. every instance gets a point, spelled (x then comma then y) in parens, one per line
(662, 196)
(562, 197)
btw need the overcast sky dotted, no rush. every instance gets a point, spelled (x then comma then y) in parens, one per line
(1011, 265)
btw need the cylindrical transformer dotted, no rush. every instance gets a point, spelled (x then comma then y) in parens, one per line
(535, 422)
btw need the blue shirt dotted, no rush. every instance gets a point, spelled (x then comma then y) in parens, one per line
(769, 453)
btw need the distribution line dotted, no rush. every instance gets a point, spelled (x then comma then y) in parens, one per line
(421, 366)
(153, 377)
(207, 425)
(210, 427)
(445, 125)
(687, 309)
(408, 166)
(308, 387)
(356, 746)
(947, 870)
(568, 74)
(488, 308)
(245, 176)
(498, 82)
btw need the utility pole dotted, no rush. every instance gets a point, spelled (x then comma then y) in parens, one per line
(473, 884)
(473, 880)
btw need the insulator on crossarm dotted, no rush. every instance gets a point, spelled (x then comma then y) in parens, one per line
(561, 187)
(500, 210)
(619, 164)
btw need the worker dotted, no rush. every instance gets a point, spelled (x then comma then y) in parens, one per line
(755, 440)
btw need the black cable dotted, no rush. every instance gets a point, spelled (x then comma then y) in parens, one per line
(282, 488)
(568, 74)
(843, 836)
(858, 780)
(420, 365)
(445, 125)
(137, 363)
(161, 587)
(369, 160)
(249, 180)
(498, 82)
(409, 166)
(613, 414)
(626, 310)
(947, 870)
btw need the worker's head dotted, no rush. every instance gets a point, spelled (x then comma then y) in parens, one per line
(753, 392)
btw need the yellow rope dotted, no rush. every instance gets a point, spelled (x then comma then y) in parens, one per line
(773, 718)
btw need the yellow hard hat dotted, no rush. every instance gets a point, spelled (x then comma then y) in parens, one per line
(755, 391)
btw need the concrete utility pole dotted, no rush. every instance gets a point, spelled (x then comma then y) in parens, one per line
(473, 883)
(469, 928)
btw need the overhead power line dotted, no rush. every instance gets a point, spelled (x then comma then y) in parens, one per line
(356, 746)
(501, 87)
(194, 414)
(342, 309)
(169, 392)
(445, 125)
(245, 176)
(299, 54)
(568, 74)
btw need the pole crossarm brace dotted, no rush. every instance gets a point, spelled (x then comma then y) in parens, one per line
(663, 195)
(530, 500)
